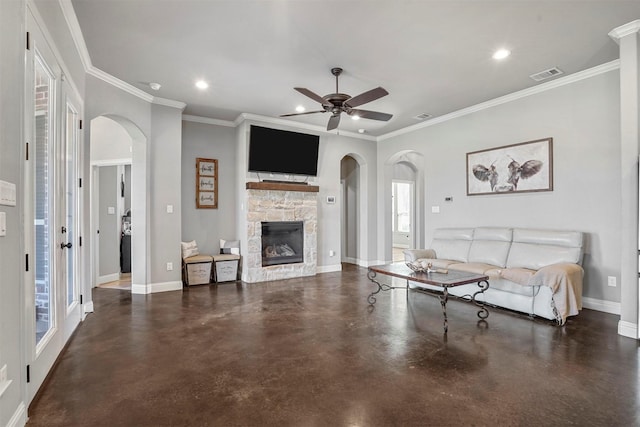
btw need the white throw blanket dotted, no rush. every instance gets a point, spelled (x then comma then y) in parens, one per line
(565, 280)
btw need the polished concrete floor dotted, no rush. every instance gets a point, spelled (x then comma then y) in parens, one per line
(312, 352)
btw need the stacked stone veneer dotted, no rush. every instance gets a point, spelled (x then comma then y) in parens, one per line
(272, 205)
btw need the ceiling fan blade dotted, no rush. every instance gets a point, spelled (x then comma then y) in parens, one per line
(312, 95)
(368, 96)
(373, 115)
(302, 114)
(334, 121)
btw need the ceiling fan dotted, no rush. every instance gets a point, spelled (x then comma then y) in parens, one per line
(337, 103)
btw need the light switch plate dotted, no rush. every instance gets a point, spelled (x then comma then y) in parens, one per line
(169, 208)
(435, 209)
(3, 224)
(111, 210)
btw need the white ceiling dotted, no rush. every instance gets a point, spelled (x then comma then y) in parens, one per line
(432, 56)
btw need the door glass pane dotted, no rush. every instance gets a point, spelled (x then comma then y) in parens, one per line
(401, 207)
(42, 203)
(70, 204)
(403, 198)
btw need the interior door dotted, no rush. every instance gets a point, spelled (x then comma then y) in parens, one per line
(69, 213)
(52, 297)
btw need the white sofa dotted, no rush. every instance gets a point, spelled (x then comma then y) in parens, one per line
(533, 271)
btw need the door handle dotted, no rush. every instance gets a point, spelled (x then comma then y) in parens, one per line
(68, 245)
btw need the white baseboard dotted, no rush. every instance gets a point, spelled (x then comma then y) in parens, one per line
(362, 263)
(153, 288)
(329, 268)
(108, 278)
(601, 305)
(19, 418)
(88, 307)
(628, 329)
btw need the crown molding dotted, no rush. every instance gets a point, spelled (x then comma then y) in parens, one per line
(208, 121)
(114, 81)
(78, 39)
(282, 122)
(70, 17)
(625, 30)
(169, 103)
(563, 81)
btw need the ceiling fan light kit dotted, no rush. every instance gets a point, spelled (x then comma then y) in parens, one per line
(338, 103)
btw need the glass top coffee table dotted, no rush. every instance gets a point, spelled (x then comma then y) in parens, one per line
(442, 280)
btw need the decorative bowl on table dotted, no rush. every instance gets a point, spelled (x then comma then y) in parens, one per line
(420, 266)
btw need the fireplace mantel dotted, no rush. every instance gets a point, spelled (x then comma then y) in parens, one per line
(282, 186)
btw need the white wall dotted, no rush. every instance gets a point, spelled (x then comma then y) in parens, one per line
(157, 172)
(165, 153)
(584, 120)
(110, 142)
(208, 226)
(350, 176)
(12, 317)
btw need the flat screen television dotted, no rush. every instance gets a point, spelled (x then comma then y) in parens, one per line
(284, 152)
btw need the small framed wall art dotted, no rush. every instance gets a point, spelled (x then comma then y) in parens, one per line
(206, 183)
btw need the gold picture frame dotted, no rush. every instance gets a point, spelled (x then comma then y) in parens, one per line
(206, 183)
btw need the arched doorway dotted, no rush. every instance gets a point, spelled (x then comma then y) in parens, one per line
(139, 202)
(403, 208)
(354, 214)
(404, 167)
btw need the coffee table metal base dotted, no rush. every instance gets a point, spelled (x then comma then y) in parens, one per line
(483, 285)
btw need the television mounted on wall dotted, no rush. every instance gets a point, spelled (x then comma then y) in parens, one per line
(283, 152)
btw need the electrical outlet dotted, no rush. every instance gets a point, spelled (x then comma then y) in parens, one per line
(331, 253)
(169, 266)
(611, 281)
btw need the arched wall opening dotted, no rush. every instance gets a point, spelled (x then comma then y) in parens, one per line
(139, 203)
(399, 165)
(353, 221)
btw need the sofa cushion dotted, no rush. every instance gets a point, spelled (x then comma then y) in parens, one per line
(452, 243)
(491, 245)
(521, 276)
(472, 267)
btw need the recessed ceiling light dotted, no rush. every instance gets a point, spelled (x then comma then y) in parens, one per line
(201, 84)
(300, 109)
(155, 86)
(360, 130)
(501, 54)
(355, 117)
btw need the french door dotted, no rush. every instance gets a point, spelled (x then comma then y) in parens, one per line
(52, 116)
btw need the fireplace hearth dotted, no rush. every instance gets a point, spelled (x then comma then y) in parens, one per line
(282, 242)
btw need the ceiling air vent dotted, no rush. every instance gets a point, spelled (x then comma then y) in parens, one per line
(422, 116)
(546, 74)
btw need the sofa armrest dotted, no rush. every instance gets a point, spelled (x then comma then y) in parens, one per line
(565, 280)
(411, 255)
(555, 275)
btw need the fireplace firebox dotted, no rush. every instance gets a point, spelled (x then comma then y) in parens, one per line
(282, 242)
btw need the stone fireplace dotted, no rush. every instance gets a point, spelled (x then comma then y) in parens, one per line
(288, 249)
